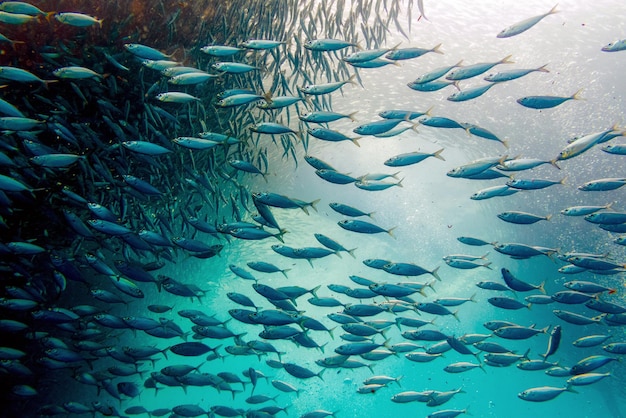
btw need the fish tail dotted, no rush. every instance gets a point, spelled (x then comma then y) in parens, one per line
(554, 164)
(563, 180)
(507, 60)
(355, 141)
(351, 252)
(284, 272)
(456, 84)
(436, 49)
(371, 215)
(390, 231)
(456, 315)
(399, 184)
(313, 203)
(351, 116)
(438, 154)
(548, 217)
(314, 290)
(543, 69)
(434, 273)
(351, 79)
(576, 96)
(553, 10)
(542, 287)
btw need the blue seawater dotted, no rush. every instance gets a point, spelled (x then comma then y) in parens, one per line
(428, 213)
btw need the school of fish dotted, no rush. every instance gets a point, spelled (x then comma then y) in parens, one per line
(121, 161)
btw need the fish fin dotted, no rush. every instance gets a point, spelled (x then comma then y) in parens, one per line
(313, 203)
(456, 84)
(548, 217)
(576, 96)
(553, 10)
(554, 164)
(351, 79)
(543, 69)
(507, 60)
(435, 275)
(314, 290)
(563, 180)
(351, 252)
(436, 49)
(399, 184)
(351, 116)
(438, 154)
(542, 288)
(355, 141)
(284, 272)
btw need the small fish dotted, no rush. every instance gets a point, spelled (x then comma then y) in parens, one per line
(546, 102)
(77, 19)
(363, 227)
(615, 46)
(473, 70)
(412, 158)
(524, 25)
(543, 393)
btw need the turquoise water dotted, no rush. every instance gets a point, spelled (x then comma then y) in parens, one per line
(428, 212)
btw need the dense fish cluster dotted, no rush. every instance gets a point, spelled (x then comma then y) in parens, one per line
(126, 165)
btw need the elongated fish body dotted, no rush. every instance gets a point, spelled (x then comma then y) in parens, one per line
(335, 177)
(377, 127)
(77, 19)
(412, 158)
(509, 75)
(331, 135)
(615, 46)
(475, 167)
(271, 128)
(375, 63)
(363, 227)
(617, 149)
(192, 143)
(367, 55)
(602, 185)
(591, 363)
(583, 210)
(325, 45)
(280, 201)
(440, 122)
(507, 303)
(606, 218)
(220, 50)
(145, 147)
(324, 116)
(410, 53)
(233, 67)
(436, 73)
(176, 97)
(376, 185)
(516, 332)
(523, 164)
(532, 184)
(434, 85)
(473, 70)
(348, 210)
(553, 342)
(409, 269)
(587, 287)
(191, 78)
(546, 102)
(590, 341)
(326, 88)
(11, 123)
(542, 394)
(517, 284)
(519, 250)
(55, 160)
(524, 25)
(261, 44)
(522, 218)
(19, 75)
(586, 378)
(76, 73)
(576, 319)
(469, 94)
(477, 242)
(238, 100)
(278, 102)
